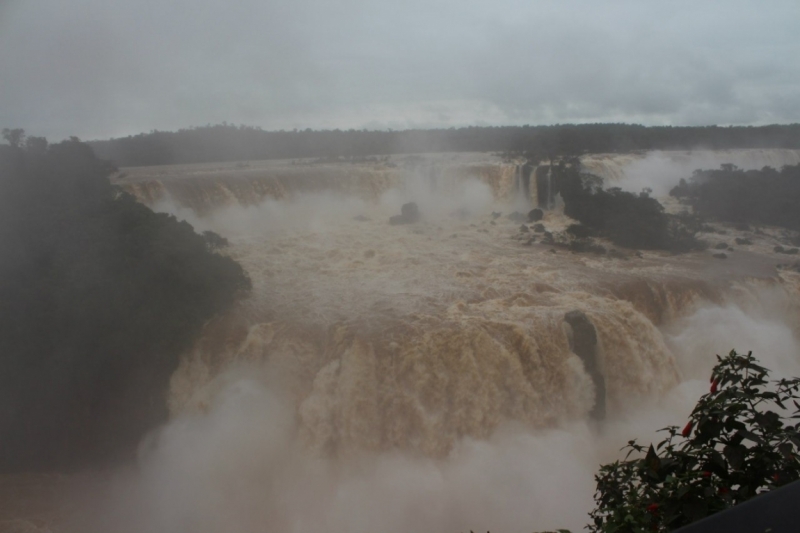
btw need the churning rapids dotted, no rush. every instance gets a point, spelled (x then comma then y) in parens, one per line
(422, 377)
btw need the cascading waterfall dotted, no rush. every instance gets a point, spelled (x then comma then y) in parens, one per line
(437, 376)
(544, 186)
(390, 326)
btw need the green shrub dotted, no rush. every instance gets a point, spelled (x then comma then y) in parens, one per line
(739, 442)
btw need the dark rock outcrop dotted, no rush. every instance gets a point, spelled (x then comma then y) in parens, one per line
(583, 343)
(579, 231)
(409, 214)
(535, 215)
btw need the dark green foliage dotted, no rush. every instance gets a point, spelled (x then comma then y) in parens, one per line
(98, 296)
(627, 219)
(765, 196)
(226, 142)
(739, 442)
(215, 241)
(578, 231)
(14, 137)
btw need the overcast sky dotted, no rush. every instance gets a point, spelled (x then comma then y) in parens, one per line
(101, 68)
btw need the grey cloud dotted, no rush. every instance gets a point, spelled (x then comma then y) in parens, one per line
(97, 68)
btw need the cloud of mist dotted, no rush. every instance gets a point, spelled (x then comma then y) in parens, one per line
(662, 170)
(307, 212)
(761, 323)
(241, 467)
(438, 198)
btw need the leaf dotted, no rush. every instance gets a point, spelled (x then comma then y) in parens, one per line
(735, 455)
(651, 460)
(694, 511)
(768, 420)
(750, 436)
(786, 450)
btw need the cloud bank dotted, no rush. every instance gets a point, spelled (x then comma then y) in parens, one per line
(98, 69)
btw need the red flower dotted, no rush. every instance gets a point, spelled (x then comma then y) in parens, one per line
(706, 473)
(776, 477)
(723, 490)
(688, 429)
(652, 508)
(714, 385)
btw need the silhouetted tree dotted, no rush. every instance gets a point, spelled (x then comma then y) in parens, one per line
(627, 219)
(98, 297)
(765, 196)
(14, 137)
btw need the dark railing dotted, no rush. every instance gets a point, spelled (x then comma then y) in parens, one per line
(777, 511)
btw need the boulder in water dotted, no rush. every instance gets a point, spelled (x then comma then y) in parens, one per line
(410, 211)
(539, 228)
(409, 214)
(535, 215)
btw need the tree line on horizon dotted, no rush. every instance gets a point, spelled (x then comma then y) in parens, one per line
(730, 194)
(228, 142)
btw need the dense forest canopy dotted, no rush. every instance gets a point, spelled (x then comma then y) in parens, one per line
(227, 142)
(626, 219)
(767, 196)
(98, 296)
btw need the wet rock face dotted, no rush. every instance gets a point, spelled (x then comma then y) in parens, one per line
(409, 214)
(535, 215)
(583, 343)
